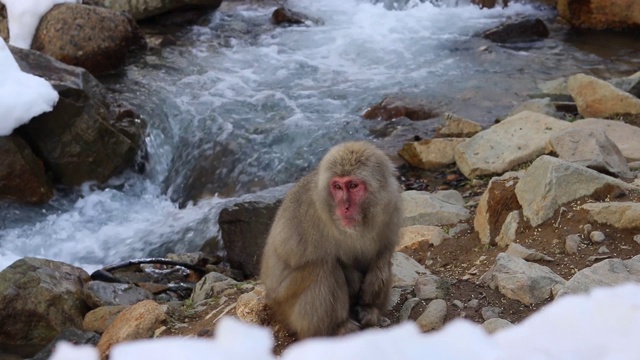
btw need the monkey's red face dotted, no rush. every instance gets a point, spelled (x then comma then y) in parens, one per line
(348, 192)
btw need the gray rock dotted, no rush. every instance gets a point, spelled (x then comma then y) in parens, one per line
(542, 106)
(497, 201)
(508, 232)
(71, 335)
(630, 84)
(433, 316)
(252, 307)
(518, 279)
(410, 235)
(245, 225)
(597, 237)
(22, 175)
(430, 153)
(590, 147)
(490, 312)
(493, 325)
(406, 309)
(211, 285)
(473, 303)
(430, 287)
(625, 136)
(455, 126)
(38, 299)
(87, 136)
(442, 208)
(458, 304)
(100, 293)
(394, 298)
(549, 183)
(603, 250)
(571, 243)
(608, 272)
(636, 238)
(522, 252)
(405, 270)
(515, 140)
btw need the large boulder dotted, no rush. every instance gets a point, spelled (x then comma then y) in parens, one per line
(141, 9)
(600, 14)
(90, 37)
(22, 175)
(597, 98)
(88, 135)
(38, 299)
(244, 227)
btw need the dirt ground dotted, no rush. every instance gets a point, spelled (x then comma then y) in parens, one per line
(462, 259)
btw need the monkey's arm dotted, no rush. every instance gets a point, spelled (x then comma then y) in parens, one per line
(375, 290)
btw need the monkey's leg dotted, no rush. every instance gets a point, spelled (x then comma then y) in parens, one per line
(322, 308)
(375, 292)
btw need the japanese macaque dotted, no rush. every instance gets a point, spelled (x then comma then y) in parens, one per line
(326, 265)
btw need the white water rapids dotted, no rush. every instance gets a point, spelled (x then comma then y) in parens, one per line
(275, 99)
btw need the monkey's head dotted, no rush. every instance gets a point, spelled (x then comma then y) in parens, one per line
(355, 179)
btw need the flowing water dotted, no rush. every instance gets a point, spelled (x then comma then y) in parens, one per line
(239, 105)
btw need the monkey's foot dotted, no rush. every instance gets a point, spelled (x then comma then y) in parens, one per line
(368, 316)
(348, 327)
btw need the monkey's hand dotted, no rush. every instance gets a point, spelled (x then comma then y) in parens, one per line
(348, 327)
(368, 316)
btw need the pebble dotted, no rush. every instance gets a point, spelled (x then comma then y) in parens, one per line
(597, 236)
(406, 309)
(458, 304)
(637, 238)
(587, 228)
(571, 244)
(433, 316)
(603, 250)
(473, 303)
(495, 324)
(490, 312)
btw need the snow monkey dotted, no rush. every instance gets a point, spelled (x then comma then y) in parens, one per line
(326, 265)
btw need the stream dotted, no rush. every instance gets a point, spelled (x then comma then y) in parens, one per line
(239, 105)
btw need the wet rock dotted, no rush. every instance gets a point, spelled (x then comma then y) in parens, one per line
(515, 140)
(441, 208)
(433, 316)
(525, 30)
(392, 108)
(608, 272)
(430, 153)
(520, 280)
(600, 14)
(405, 271)
(490, 312)
(549, 183)
(630, 84)
(429, 287)
(495, 205)
(38, 299)
(493, 325)
(571, 244)
(244, 227)
(86, 136)
(490, 4)
(99, 319)
(137, 322)
(623, 135)
(148, 8)
(522, 252)
(509, 228)
(71, 335)
(22, 175)
(100, 293)
(622, 215)
(283, 15)
(213, 284)
(99, 42)
(456, 127)
(411, 235)
(252, 307)
(599, 99)
(590, 147)
(408, 305)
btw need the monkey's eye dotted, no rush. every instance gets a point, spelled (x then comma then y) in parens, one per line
(353, 185)
(337, 187)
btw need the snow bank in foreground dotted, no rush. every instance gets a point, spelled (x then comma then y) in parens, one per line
(22, 96)
(24, 17)
(600, 325)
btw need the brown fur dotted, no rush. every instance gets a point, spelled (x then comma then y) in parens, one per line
(320, 278)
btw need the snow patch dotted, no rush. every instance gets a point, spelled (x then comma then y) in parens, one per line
(22, 96)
